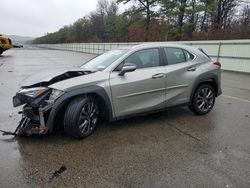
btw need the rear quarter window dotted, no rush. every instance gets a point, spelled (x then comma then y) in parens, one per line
(188, 55)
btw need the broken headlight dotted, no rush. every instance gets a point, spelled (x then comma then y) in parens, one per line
(30, 95)
(55, 94)
(33, 92)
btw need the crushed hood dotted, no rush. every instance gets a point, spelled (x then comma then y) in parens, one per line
(46, 78)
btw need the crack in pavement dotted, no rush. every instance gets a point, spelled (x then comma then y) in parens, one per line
(179, 130)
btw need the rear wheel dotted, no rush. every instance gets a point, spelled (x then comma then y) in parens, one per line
(203, 100)
(81, 117)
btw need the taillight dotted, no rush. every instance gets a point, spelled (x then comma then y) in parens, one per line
(217, 63)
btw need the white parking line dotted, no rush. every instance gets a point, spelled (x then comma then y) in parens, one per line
(236, 98)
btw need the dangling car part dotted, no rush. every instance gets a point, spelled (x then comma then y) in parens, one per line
(26, 127)
(34, 113)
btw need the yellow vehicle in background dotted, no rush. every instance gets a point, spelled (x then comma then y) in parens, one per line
(5, 44)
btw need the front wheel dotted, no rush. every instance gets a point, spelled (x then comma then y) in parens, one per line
(203, 100)
(81, 117)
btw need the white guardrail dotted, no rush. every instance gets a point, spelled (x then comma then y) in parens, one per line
(233, 54)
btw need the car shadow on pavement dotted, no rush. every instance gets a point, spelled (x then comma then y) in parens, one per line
(133, 124)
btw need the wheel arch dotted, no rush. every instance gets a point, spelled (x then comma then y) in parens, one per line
(96, 91)
(208, 78)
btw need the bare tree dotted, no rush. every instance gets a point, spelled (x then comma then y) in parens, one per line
(145, 7)
(102, 7)
(112, 9)
(245, 17)
(223, 13)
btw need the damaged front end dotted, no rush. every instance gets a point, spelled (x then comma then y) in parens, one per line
(37, 103)
(38, 99)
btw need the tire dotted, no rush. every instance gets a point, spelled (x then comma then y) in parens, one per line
(81, 117)
(203, 100)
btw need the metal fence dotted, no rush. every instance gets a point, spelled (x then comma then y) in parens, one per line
(233, 54)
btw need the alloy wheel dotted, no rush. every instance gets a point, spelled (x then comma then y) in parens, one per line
(205, 99)
(88, 117)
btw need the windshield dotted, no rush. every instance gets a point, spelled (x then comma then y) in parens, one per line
(101, 62)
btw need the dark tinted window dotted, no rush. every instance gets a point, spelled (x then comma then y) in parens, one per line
(174, 55)
(177, 55)
(144, 58)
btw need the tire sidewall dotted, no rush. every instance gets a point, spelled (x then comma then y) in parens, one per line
(89, 99)
(75, 120)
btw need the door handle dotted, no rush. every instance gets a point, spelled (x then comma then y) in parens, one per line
(191, 69)
(159, 75)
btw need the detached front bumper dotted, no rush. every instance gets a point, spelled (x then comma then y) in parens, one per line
(35, 112)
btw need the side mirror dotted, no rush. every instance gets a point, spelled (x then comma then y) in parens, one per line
(128, 67)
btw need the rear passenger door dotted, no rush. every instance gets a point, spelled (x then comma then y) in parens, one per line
(181, 71)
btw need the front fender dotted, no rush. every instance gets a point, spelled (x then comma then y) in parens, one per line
(62, 100)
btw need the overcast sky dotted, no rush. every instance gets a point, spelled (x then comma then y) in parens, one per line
(37, 17)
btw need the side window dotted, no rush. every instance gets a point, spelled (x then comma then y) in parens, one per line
(189, 56)
(174, 55)
(144, 58)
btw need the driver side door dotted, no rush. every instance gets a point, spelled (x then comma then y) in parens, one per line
(143, 89)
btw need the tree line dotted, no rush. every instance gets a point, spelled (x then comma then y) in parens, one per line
(158, 20)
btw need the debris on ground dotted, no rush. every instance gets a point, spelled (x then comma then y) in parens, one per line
(8, 133)
(57, 173)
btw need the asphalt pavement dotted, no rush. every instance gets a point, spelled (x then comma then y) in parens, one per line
(169, 149)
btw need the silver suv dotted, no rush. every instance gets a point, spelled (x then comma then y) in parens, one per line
(118, 84)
